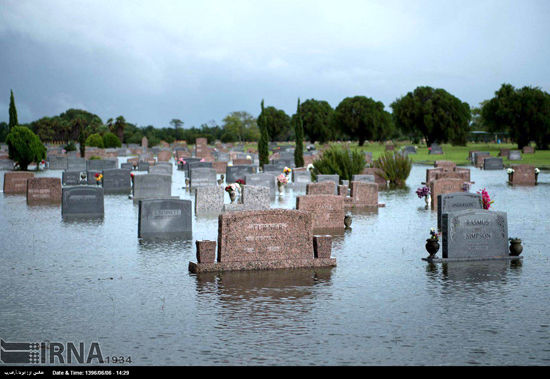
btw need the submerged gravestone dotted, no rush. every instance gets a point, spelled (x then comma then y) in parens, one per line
(262, 179)
(263, 240)
(457, 201)
(100, 164)
(233, 173)
(73, 178)
(82, 201)
(163, 169)
(117, 180)
(165, 218)
(475, 234)
(208, 200)
(202, 176)
(76, 164)
(493, 163)
(57, 162)
(152, 186)
(363, 178)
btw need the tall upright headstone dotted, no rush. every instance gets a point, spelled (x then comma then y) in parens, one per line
(165, 218)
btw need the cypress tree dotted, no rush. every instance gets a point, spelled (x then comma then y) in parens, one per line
(13, 112)
(299, 132)
(263, 147)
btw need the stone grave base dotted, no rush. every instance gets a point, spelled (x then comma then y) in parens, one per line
(445, 260)
(261, 265)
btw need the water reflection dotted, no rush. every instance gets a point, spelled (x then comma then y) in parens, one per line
(83, 220)
(474, 272)
(168, 244)
(234, 286)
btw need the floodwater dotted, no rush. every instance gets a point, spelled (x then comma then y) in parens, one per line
(94, 281)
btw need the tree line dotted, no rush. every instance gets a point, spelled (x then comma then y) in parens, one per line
(424, 114)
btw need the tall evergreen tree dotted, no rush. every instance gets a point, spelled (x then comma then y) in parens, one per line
(299, 132)
(263, 147)
(13, 112)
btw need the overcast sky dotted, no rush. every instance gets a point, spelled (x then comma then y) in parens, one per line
(152, 61)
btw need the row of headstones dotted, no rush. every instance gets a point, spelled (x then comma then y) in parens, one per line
(74, 200)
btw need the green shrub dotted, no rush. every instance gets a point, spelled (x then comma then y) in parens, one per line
(24, 147)
(396, 167)
(94, 158)
(111, 140)
(339, 160)
(70, 146)
(95, 140)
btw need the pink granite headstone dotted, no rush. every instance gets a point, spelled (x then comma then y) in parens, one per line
(43, 191)
(364, 194)
(523, 175)
(321, 188)
(263, 240)
(16, 182)
(327, 210)
(442, 186)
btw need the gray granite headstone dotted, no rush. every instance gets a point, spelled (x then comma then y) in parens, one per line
(474, 234)
(143, 166)
(165, 218)
(301, 176)
(435, 149)
(6, 164)
(476, 154)
(515, 155)
(152, 186)
(493, 163)
(197, 164)
(232, 173)
(326, 178)
(100, 164)
(209, 200)
(263, 179)
(363, 178)
(57, 163)
(162, 169)
(409, 149)
(457, 201)
(76, 164)
(202, 176)
(82, 201)
(127, 166)
(72, 178)
(117, 180)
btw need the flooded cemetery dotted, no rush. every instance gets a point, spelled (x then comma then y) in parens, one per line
(194, 256)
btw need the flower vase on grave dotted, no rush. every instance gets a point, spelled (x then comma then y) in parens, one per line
(515, 247)
(232, 196)
(427, 200)
(432, 246)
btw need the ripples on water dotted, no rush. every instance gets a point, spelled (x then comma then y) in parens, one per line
(93, 280)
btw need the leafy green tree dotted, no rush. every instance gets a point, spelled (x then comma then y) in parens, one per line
(277, 123)
(523, 113)
(299, 133)
(24, 147)
(362, 118)
(263, 143)
(13, 112)
(317, 117)
(111, 140)
(4, 130)
(95, 140)
(433, 114)
(242, 125)
(177, 123)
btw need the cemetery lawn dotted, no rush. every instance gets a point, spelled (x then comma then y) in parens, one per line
(459, 154)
